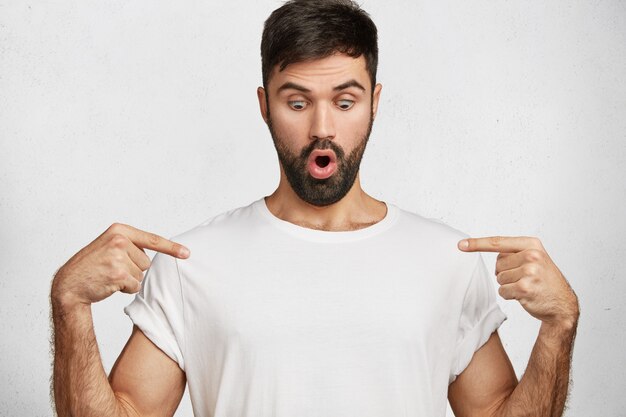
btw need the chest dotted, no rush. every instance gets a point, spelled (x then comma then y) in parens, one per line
(289, 298)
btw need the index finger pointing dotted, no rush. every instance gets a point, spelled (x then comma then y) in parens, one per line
(148, 240)
(498, 244)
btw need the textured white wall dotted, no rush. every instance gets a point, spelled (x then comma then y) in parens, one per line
(496, 117)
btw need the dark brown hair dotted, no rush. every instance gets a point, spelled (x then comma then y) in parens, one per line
(302, 30)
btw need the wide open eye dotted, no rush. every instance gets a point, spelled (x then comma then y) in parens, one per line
(345, 104)
(297, 104)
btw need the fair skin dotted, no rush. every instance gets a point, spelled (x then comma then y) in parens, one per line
(488, 386)
(146, 382)
(322, 117)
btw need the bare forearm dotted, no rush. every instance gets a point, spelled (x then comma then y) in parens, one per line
(542, 390)
(80, 384)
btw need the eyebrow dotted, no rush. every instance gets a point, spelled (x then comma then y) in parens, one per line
(293, 86)
(348, 84)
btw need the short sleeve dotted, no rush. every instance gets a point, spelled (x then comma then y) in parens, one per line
(158, 307)
(480, 317)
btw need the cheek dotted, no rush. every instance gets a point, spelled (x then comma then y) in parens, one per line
(353, 125)
(289, 125)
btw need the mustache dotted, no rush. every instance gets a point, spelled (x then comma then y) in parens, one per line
(322, 144)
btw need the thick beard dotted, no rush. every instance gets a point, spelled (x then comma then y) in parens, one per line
(320, 192)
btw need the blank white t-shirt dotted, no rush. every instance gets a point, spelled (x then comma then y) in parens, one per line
(270, 319)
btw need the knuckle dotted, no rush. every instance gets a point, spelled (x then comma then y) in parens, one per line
(529, 269)
(524, 288)
(535, 242)
(118, 274)
(175, 248)
(115, 228)
(129, 287)
(500, 278)
(495, 240)
(118, 241)
(154, 239)
(533, 255)
(502, 292)
(145, 264)
(147, 261)
(117, 259)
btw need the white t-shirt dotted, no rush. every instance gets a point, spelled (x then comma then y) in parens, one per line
(270, 319)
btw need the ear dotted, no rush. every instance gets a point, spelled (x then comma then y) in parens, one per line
(375, 98)
(260, 92)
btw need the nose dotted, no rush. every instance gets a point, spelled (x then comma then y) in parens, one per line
(322, 125)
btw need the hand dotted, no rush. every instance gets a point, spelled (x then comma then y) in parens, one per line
(526, 273)
(114, 261)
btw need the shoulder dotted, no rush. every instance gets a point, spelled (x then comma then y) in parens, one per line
(428, 227)
(226, 225)
(433, 238)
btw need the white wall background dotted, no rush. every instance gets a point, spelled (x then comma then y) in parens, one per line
(496, 117)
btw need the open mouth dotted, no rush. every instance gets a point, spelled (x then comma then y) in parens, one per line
(322, 163)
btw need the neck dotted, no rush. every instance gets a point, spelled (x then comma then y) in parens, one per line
(355, 210)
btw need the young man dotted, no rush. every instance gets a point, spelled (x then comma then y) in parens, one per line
(318, 299)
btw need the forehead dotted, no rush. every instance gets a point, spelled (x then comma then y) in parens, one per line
(320, 74)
